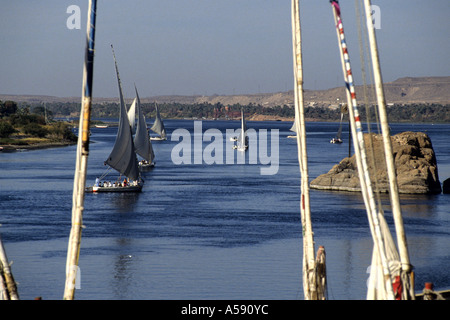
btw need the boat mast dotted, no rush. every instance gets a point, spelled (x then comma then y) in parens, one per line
(393, 185)
(309, 272)
(73, 251)
(360, 153)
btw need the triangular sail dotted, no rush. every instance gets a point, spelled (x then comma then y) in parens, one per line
(132, 116)
(158, 126)
(141, 139)
(293, 128)
(123, 156)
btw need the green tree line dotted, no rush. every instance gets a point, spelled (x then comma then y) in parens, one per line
(396, 113)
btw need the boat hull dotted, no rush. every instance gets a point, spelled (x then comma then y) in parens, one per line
(146, 167)
(336, 141)
(114, 189)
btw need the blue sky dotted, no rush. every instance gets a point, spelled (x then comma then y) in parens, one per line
(208, 47)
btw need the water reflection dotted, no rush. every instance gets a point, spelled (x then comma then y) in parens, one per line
(123, 270)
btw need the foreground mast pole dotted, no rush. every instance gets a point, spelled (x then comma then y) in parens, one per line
(309, 272)
(82, 157)
(393, 185)
(8, 287)
(360, 152)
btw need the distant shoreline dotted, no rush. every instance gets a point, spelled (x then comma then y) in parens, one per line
(35, 146)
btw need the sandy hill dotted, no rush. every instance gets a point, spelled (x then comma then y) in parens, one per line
(402, 91)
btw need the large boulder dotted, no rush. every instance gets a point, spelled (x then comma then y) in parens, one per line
(414, 159)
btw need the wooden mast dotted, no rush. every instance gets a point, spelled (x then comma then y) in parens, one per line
(309, 272)
(360, 153)
(393, 185)
(82, 157)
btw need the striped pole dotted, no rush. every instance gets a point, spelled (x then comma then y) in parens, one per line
(79, 186)
(360, 153)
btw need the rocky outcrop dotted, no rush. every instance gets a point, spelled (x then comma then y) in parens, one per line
(415, 163)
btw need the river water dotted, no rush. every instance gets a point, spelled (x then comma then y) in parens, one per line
(207, 231)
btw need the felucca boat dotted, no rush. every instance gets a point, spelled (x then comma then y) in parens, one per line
(293, 129)
(242, 140)
(337, 139)
(158, 127)
(123, 155)
(142, 141)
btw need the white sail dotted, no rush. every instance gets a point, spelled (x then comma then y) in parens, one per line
(141, 139)
(123, 156)
(158, 126)
(293, 128)
(376, 283)
(243, 138)
(132, 116)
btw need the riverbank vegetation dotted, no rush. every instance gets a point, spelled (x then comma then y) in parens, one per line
(22, 116)
(436, 113)
(30, 127)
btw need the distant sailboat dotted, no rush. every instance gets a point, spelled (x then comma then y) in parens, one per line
(293, 129)
(123, 155)
(242, 140)
(337, 139)
(158, 127)
(142, 141)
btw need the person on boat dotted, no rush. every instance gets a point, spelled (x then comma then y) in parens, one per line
(96, 182)
(125, 182)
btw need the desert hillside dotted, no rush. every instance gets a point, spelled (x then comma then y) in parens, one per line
(401, 91)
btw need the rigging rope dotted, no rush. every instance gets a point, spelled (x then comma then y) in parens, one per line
(105, 173)
(361, 25)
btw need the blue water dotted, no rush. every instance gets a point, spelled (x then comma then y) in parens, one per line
(199, 231)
